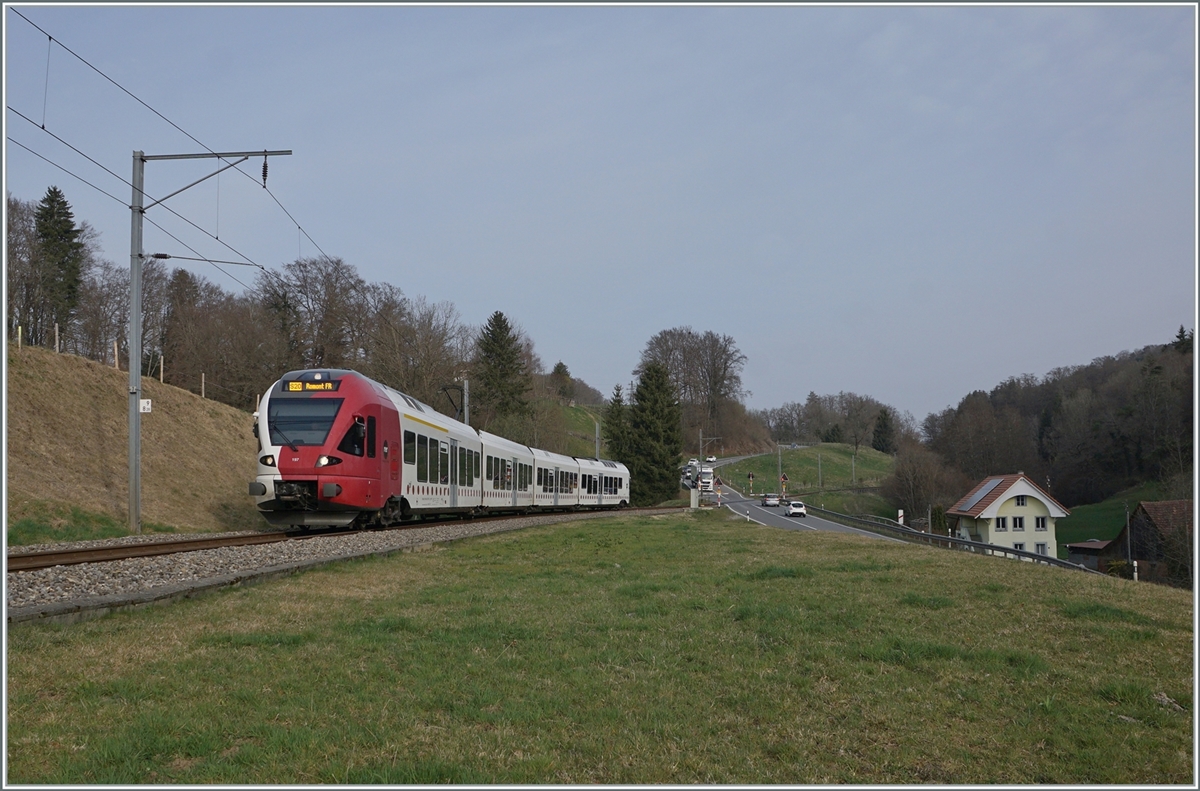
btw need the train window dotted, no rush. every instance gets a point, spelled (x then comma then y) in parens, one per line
(352, 442)
(462, 467)
(476, 454)
(422, 459)
(370, 437)
(410, 447)
(444, 463)
(301, 421)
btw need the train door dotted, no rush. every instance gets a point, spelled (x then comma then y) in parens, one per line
(376, 489)
(512, 482)
(557, 484)
(453, 473)
(390, 433)
(599, 490)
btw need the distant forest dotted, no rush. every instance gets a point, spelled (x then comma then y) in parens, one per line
(1084, 432)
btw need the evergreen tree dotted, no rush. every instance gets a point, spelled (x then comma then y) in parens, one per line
(62, 255)
(615, 428)
(884, 437)
(1183, 340)
(655, 438)
(833, 434)
(500, 379)
(564, 386)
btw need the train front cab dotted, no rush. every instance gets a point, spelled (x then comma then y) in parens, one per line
(319, 460)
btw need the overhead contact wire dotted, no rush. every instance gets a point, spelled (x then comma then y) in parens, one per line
(163, 117)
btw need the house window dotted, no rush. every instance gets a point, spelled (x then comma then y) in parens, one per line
(1040, 548)
(1019, 546)
(1018, 523)
(1039, 523)
(1020, 501)
(1001, 523)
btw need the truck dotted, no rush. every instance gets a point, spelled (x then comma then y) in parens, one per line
(705, 480)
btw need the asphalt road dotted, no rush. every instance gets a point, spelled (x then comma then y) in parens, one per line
(774, 516)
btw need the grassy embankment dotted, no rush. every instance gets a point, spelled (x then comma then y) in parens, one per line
(68, 446)
(837, 489)
(683, 649)
(1104, 520)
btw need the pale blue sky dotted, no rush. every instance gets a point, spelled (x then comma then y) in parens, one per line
(906, 202)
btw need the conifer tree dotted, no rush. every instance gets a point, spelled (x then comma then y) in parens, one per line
(61, 253)
(615, 429)
(884, 437)
(655, 438)
(500, 380)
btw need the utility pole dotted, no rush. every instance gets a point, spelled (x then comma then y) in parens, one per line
(1128, 542)
(137, 211)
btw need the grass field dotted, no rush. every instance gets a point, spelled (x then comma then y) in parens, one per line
(678, 649)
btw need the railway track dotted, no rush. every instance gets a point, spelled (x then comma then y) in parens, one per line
(29, 561)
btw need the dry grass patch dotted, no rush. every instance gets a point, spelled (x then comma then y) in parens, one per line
(70, 446)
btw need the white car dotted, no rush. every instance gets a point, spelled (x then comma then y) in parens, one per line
(710, 459)
(796, 508)
(770, 500)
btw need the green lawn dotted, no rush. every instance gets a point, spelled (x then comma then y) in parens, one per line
(685, 648)
(1104, 520)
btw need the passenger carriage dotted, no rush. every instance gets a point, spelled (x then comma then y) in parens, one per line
(507, 474)
(603, 483)
(556, 484)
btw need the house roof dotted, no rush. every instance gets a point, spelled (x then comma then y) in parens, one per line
(1169, 515)
(1085, 545)
(993, 489)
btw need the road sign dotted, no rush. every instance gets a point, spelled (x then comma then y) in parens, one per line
(783, 478)
(750, 475)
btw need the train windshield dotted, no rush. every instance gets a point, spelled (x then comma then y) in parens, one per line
(301, 421)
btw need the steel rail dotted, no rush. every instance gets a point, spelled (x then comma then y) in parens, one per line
(30, 561)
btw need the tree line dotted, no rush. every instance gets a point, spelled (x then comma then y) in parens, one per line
(1086, 431)
(311, 313)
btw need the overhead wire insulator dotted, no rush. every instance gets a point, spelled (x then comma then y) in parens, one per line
(264, 171)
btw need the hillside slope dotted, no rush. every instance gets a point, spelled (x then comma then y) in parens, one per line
(68, 440)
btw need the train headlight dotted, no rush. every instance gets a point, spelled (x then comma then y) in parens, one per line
(326, 461)
(268, 460)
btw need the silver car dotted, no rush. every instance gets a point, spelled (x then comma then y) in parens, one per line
(771, 500)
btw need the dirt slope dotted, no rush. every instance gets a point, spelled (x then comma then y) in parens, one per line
(68, 441)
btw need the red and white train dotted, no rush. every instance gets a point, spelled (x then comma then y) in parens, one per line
(336, 448)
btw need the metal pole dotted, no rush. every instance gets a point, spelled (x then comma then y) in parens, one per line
(466, 402)
(779, 451)
(135, 344)
(819, 471)
(202, 384)
(597, 422)
(1128, 543)
(56, 337)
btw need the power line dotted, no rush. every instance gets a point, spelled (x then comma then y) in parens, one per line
(168, 120)
(130, 185)
(152, 222)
